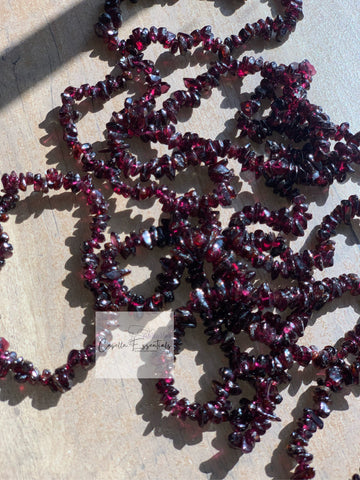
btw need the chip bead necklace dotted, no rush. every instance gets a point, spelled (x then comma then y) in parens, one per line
(215, 302)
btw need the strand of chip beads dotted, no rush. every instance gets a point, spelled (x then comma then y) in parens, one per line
(269, 29)
(61, 379)
(337, 373)
(314, 164)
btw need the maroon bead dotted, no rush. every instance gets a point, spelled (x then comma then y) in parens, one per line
(4, 344)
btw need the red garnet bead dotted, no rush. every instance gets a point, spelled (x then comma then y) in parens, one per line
(4, 344)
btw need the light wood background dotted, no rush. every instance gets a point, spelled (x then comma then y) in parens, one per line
(106, 429)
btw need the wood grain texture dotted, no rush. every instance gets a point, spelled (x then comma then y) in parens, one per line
(106, 429)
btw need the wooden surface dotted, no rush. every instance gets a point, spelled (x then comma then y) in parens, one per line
(113, 429)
